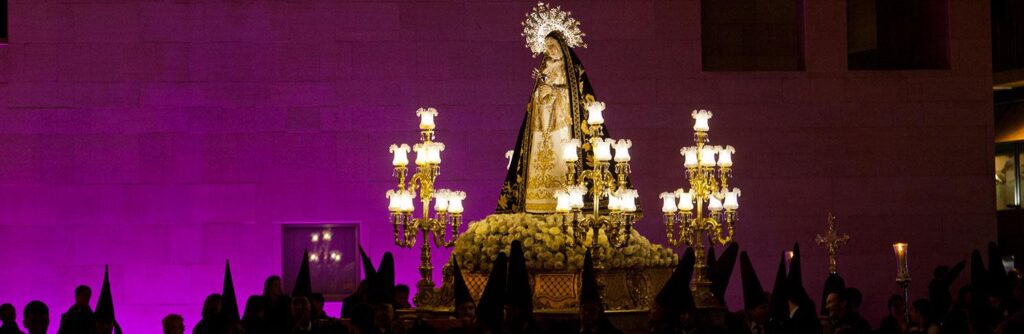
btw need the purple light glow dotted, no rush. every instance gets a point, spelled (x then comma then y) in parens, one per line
(162, 138)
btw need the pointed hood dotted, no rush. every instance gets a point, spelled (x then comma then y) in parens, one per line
(459, 287)
(753, 293)
(519, 291)
(795, 282)
(491, 306)
(368, 269)
(710, 260)
(383, 287)
(996, 272)
(105, 303)
(979, 277)
(722, 272)
(834, 283)
(676, 296)
(588, 281)
(938, 288)
(229, 303)
(303, 282)
(779, 301)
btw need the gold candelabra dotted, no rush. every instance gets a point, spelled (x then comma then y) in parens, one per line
(597, 183)
(447, 203)
(708, 209)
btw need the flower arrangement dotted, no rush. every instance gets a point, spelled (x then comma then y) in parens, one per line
(547, 246)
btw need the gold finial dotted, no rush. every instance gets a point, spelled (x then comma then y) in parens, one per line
(831, 240)
(545, 19)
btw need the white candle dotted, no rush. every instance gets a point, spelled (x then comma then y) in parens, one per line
(668, 202)
(622, 150)
(690, 155)
(401, 154)
(594, 110)
(725, 156)
(602, 148)
(732, 199)
(701, 118)
(569, 150)
(455, 201)
(426, 118)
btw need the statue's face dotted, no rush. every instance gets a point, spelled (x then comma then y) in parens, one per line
(552, 49)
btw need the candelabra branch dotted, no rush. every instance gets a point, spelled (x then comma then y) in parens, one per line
(705, 214)
(432, 228)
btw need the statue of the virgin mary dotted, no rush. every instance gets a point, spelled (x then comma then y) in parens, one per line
(556, 113)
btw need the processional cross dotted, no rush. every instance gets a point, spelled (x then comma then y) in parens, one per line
(831, 240)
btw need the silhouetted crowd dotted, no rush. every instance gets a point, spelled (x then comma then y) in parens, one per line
(990, 303)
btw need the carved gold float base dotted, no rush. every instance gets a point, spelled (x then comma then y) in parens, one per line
(554, 292)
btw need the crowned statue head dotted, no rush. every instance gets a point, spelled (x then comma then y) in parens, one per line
(546, 26)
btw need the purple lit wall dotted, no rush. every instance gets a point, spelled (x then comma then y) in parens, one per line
(162, 138)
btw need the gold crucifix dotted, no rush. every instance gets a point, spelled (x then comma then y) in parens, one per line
(831, 240)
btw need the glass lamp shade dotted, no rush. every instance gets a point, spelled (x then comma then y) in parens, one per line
(441, 200)
(426, 118)
(725, 156)
(701, 118)
(622, 150)
(602, 148)
(434, 152)
(690, 156)
(714, 204)
(614, 202)
(668, 202)
(406, 198)
(707, 156)
(594, 116)
(394, 201)
(627, 200)
(569, 149)
(455, 199)
(562, 197)
(422, 154)
(401, 154)
(902, 268)
(685, 200)
(576, 194)
(732, 199)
